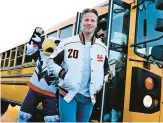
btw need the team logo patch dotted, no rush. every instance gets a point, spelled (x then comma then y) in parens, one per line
(100, 58)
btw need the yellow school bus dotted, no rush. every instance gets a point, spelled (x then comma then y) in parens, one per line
(134, 28)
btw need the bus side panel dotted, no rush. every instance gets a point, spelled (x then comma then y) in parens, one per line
(15, 93)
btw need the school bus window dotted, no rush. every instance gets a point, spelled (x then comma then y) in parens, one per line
(27, 60)
(13, 54)
(12, 57)
(20, 50)
(3, 55)
(6, 60)
(52, 34)
(2, 61)
(66, 32)
(120, 25)
(26, 57)
(146, 28)
(19, 55)
(11, 63)
(8, 54)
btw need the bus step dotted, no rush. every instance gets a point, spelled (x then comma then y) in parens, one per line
(11, 115)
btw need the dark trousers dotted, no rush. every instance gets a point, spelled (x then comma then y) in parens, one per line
(33, 98)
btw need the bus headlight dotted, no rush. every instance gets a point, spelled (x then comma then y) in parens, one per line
(150, 102)
(149, 83)
(147, 101)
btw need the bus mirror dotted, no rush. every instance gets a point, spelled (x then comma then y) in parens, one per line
(157, 52)
(159, 4)
(159, 25)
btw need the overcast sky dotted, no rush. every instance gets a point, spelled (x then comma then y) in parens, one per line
(20, 17)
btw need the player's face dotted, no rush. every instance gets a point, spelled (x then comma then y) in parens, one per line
(89, 22)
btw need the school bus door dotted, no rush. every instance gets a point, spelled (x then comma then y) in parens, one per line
(117, 41)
